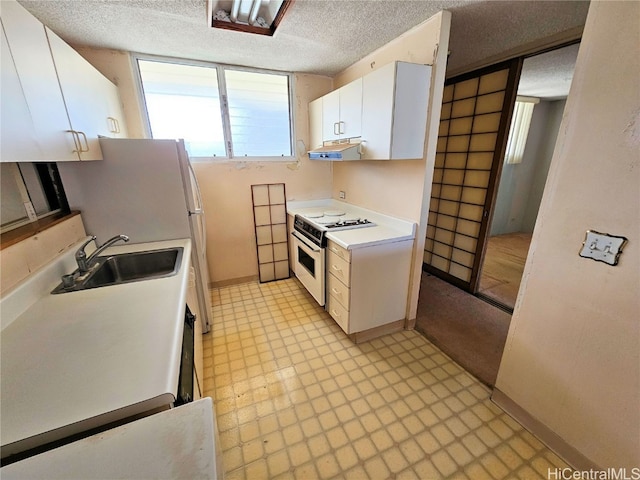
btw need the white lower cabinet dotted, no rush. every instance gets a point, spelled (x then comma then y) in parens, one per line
(367, 287)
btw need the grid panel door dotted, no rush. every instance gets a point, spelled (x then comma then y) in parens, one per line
(476, 112)
(272, 240)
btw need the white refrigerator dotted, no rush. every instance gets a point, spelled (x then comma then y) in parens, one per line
(145, 189)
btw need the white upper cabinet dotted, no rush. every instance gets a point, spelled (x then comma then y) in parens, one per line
(86, 95)
(386, 109)
(34, 66)
(68, 101)
(342, 112)
(395, 100)
(16, 119)
(315, 124)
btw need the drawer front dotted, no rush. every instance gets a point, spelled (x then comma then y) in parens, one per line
(338, 290)
(339, 267)
(338, 313)
(339, 251)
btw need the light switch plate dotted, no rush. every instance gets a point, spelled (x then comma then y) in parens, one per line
(602, 247)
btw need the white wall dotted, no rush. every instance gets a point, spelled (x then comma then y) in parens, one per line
(521, 184)
(22, 259)
(572, 358)
(401, 188)
(226, 186)
(545, 154)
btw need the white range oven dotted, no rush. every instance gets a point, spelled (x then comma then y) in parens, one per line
(310, 241)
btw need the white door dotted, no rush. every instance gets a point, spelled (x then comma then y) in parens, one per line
(198, 228)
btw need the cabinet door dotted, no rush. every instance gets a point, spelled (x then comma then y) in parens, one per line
(350, 124)
(394, 111)
(82, 88)
(17, 131)
(117, 125)
(411, 104)
(331, 116)
(377, 105)
(34, 66)
(315, 124)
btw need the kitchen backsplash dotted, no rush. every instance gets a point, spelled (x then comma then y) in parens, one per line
(20, 260)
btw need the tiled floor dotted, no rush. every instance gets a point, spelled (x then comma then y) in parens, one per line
(295, 398)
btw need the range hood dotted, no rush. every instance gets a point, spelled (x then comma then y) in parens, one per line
(338, 152)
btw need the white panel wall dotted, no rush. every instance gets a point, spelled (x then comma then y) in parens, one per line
(572, 358)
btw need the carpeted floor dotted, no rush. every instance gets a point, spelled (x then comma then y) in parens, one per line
(469, 330)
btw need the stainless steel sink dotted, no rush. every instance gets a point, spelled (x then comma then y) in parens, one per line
(127, 267)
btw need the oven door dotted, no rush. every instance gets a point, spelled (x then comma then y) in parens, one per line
(309, 264)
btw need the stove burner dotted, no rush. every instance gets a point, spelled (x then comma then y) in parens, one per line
(326, 220)
(334, 213)
(317, 214)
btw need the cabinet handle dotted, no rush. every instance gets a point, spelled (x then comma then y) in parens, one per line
(76, 141)
(336, 128)
(340, 130)
(336, 268)
(336, 291)
(85, 142)
(334, 313)
(115, 125)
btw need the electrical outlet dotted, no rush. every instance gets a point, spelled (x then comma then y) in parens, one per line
(342, 195)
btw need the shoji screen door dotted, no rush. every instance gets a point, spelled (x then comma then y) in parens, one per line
(476, 113)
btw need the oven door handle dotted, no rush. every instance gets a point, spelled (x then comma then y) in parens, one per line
(315, 248)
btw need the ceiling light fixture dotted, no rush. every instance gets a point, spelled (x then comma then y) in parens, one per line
(261, 17)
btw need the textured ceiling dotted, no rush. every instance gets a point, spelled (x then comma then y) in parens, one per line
(316, 36)
(548, 75)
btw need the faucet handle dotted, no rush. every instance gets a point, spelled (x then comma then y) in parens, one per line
(81, 255)
(91, 239)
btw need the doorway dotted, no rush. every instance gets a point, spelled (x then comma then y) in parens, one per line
(483, 210)
(541, 97)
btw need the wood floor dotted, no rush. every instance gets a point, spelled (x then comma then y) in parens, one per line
(503, 266)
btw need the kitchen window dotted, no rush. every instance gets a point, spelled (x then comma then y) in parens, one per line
(30, 192)
(220, 111)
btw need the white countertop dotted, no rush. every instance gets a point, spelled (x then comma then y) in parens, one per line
(387, 229)
(177, 443)
(78, 360)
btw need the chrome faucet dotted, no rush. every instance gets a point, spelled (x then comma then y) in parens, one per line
(84, 262)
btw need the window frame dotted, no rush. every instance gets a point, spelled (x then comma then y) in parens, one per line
(49, 185)
(519, 129)
(224, 112)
